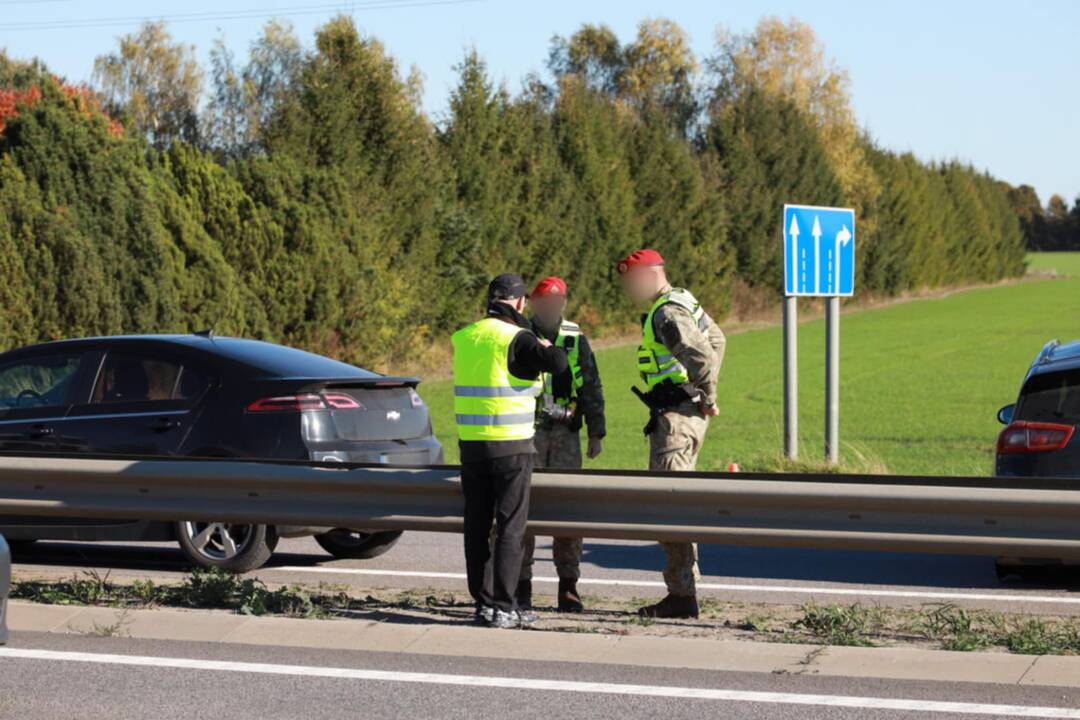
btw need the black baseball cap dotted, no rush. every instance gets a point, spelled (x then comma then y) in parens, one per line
(507, 286)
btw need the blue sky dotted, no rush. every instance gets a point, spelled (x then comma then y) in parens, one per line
(991, 82)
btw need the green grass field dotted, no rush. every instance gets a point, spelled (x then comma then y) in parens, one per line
(1062, 263)
(921, 382)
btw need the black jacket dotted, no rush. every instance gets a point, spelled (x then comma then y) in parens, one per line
(590, 397)
(527, 358)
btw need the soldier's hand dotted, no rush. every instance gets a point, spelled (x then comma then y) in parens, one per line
(709, 410)
(544, 341)
(596, 446)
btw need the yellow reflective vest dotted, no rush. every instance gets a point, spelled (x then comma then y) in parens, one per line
(654, 360)
(490, 403)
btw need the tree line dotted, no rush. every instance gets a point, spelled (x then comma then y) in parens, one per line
(1054, 227)
(311, 201)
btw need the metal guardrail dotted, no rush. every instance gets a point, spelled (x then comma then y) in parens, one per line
(978, 516)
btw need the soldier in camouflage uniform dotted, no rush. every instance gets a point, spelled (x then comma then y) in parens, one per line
(559, 422)
(679, 361)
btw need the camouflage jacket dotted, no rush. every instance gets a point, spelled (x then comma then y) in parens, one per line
(701, 351)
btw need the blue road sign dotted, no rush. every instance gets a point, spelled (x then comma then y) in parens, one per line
(819, 251)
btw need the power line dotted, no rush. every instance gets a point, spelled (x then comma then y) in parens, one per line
(217, 15)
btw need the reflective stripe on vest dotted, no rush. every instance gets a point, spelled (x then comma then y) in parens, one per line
(569, 340)
(510, 419)
(481, 391)
(655, 361)
(490, 403)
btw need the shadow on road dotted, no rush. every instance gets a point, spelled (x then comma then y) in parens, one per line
(716, 561)
(840, 566)
(162, 557)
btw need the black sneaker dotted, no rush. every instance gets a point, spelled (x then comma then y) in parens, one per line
(484, 614)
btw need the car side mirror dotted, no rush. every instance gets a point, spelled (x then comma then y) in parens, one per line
(1005, 414)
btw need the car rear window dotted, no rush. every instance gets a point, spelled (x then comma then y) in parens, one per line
(1051, 397)
(281, 361)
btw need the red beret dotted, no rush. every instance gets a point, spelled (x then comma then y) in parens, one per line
(639, 258)
(550, 286)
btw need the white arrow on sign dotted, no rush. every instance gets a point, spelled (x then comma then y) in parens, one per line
(816, 232)
(794, 232)
(842, 238)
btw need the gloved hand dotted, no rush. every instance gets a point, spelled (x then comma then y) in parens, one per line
(596, 446)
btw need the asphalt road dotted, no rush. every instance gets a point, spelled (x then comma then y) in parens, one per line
(614, 569)
(121, 678)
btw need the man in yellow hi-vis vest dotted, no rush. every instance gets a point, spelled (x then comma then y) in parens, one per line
(498, 362)
(679, 363)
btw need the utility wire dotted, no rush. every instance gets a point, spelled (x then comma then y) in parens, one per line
(211, 16)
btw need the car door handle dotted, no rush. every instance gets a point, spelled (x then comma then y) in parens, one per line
(40, 431)
(164, 425)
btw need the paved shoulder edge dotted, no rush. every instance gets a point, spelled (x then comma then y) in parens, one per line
(456, 640)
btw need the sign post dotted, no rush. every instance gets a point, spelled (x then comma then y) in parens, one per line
(819, 261)
(832, 379)
(791, 379)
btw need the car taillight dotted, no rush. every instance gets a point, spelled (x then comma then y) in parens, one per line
(1023, 436)
(341, 401)
(309, 401)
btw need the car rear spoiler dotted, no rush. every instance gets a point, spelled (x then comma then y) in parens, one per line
(1048, 348)
(373, 382)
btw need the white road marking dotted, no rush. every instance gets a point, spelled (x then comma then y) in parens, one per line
(727, 587)
(514, 683)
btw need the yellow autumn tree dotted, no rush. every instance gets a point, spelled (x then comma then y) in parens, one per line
(660, 68)
(786, 59)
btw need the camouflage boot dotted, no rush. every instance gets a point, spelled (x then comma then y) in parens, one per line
(569, 600)
(673, 606)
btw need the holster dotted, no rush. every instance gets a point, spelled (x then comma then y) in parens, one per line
(659, 400)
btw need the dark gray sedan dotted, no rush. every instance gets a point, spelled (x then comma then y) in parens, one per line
(205, 396)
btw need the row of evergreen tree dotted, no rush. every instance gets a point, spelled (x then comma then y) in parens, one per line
(1052, 228)
(313, 202)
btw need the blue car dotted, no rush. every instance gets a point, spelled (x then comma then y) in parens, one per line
(1040, 438)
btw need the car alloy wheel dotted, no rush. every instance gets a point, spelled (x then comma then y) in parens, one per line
(218, 541)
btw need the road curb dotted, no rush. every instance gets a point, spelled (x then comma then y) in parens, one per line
(455, 639)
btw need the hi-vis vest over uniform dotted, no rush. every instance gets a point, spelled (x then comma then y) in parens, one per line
(655, 361)
(490, 403)
(569, 339)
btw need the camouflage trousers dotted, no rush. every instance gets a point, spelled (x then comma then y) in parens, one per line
(556, 447)
(674, 445)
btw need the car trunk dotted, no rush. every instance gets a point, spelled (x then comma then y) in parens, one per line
(385, 409)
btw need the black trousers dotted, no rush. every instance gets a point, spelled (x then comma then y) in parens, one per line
(496, 490)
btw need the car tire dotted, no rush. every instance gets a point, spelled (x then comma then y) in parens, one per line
(17, 547)
(235, 547)
(357, 544)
